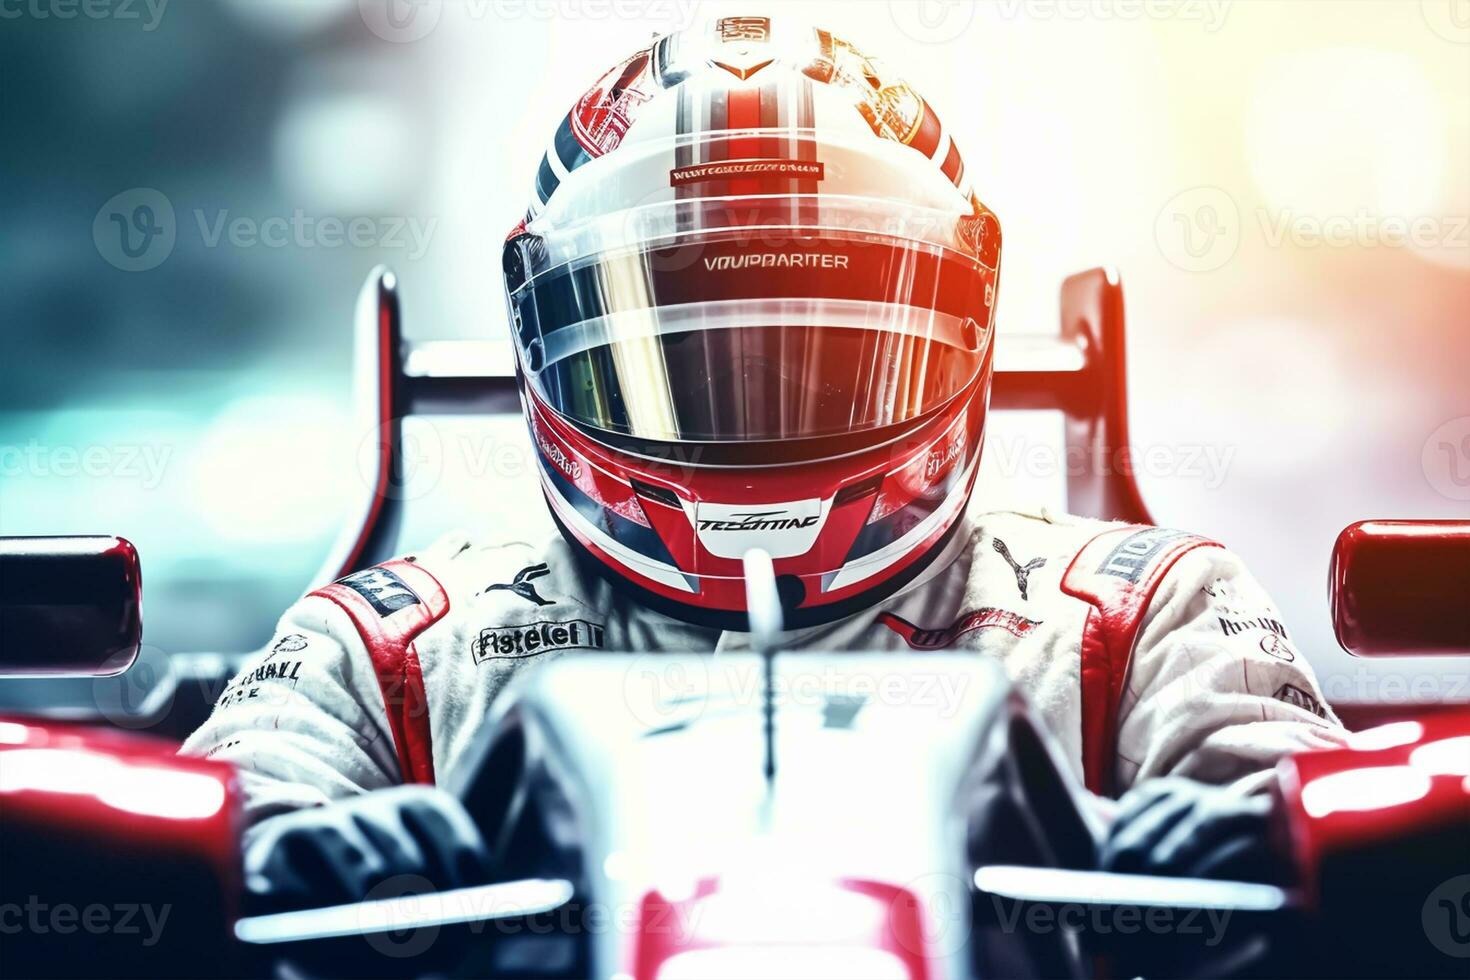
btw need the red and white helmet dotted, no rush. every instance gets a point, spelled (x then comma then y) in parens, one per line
(753, 303)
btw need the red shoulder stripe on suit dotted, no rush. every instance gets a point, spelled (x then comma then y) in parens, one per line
(390, 605)
(1117, 573)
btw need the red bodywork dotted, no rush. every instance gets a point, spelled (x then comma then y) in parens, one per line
(1391, 792)
(63, 776)
(100, 822)
(1402, 587)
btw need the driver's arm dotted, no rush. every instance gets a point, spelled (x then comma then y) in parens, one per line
(304, 721)
(1217, 690)
(306, 724)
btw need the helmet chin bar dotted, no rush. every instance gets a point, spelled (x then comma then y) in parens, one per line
(837, 529)
(794, 615)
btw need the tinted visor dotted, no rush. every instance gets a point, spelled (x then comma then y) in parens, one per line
(761, 337)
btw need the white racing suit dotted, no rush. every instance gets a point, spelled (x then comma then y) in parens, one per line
(1146, 651)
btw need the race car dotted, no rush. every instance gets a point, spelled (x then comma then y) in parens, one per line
(742, 815)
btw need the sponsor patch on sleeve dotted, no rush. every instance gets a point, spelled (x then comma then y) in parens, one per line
(532, 639)
(383, 590)
(250, 685)
(1295, 696)
(1131, 556)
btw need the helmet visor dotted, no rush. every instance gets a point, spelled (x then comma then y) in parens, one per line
(730, 338)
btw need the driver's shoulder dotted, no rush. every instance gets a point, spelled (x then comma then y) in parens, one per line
(454, 593)
(1084, 547)
(471, 568)
(1057, 536)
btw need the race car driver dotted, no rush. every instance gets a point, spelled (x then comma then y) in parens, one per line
(753, 307)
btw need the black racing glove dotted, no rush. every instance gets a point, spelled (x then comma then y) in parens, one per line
(340, 853)
(1179, 827)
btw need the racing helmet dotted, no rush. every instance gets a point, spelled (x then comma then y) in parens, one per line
(753, 303)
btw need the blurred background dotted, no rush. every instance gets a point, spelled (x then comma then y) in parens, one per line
(194, 191)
